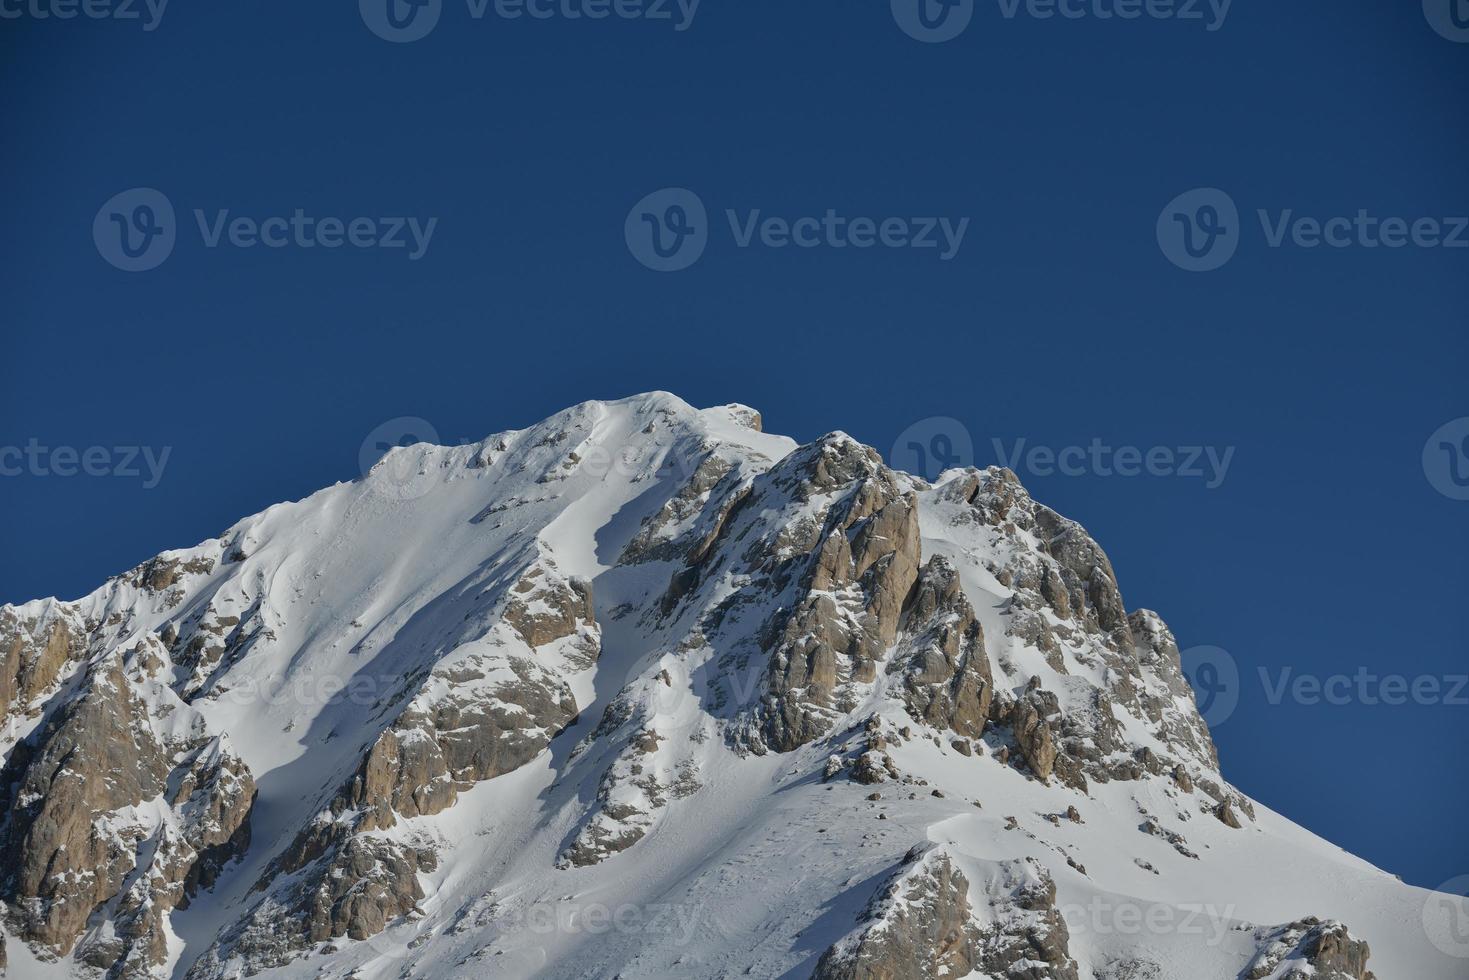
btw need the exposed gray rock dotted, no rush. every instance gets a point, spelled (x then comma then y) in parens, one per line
(1029, 939)
(73, 842)
(478, 715)
(1309, 950)
(33, 651)
(1030, 718)
(917, 927)
(492, 717)
(1160, 661)
(860, 567)
(647, 770)
(360, 885)
(946, 680)
(657, 539)
(836, 531)
(545, 607)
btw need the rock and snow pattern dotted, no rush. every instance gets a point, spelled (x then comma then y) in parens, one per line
(642, 691)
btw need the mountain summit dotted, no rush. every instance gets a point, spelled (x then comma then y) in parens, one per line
(642, 691)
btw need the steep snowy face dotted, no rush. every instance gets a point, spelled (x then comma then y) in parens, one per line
(638, 656)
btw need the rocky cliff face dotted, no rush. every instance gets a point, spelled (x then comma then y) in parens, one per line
(122, 804)
(487, 710)
(919, 925)
(765, 708)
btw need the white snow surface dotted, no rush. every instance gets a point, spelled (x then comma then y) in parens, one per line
(762, 866)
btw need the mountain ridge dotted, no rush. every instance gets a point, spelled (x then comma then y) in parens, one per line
(639, 628)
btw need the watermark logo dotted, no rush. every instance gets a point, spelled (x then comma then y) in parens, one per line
(1365, 688)
(148, 12)
(668, 230)
(1214, 676)
(1199, 230)
(1212, 12)
(125, 462)
(401, 21)
(1217, 683)
(392, 466)
(1450, 18)
(628, 462)
(570, 918)
(1446, 459)
(929, 447)
(1109, 916)
(933, 21)
(135, 230)
(1207, 463)
(1446, 917)
(936, 21)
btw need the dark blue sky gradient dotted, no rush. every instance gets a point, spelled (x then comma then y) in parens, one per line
(1059, 321)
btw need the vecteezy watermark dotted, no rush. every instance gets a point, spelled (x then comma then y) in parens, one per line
(149, 13)
(1446, 459)
(1107, 916)
(930, 446)
(124, 462)
(1450, 18)
(1201, 230)
(1214, 676)
(1364, 687)
(137, 230)
(391, 461)
(935, 21)
(403, 21)
(1211, 13)
(669, 229)
(629, 462)
(569, 918)
(1446, 917)
(1207, 463)
(1217, 683)
(311, 690)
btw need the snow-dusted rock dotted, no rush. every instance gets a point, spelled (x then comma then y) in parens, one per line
(642, 691)
(1310, 950)
(918, 927)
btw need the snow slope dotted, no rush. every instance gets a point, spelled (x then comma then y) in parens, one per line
(659, 828)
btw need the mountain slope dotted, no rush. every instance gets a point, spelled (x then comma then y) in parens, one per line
(643, 691)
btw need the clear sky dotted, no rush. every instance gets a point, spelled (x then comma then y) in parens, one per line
(1062, 317)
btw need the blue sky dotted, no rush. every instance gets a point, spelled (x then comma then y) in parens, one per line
(521, 149)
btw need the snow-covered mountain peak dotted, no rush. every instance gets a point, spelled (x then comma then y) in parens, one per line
(641, 657)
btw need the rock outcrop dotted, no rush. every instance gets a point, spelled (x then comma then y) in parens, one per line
(486, 710)
(1309, 950)
(1027, 938)
(917, 927)
(858, 559)
(944, 670)
(811, 660)
(835, 532)
(35, 645)
(117, 805)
